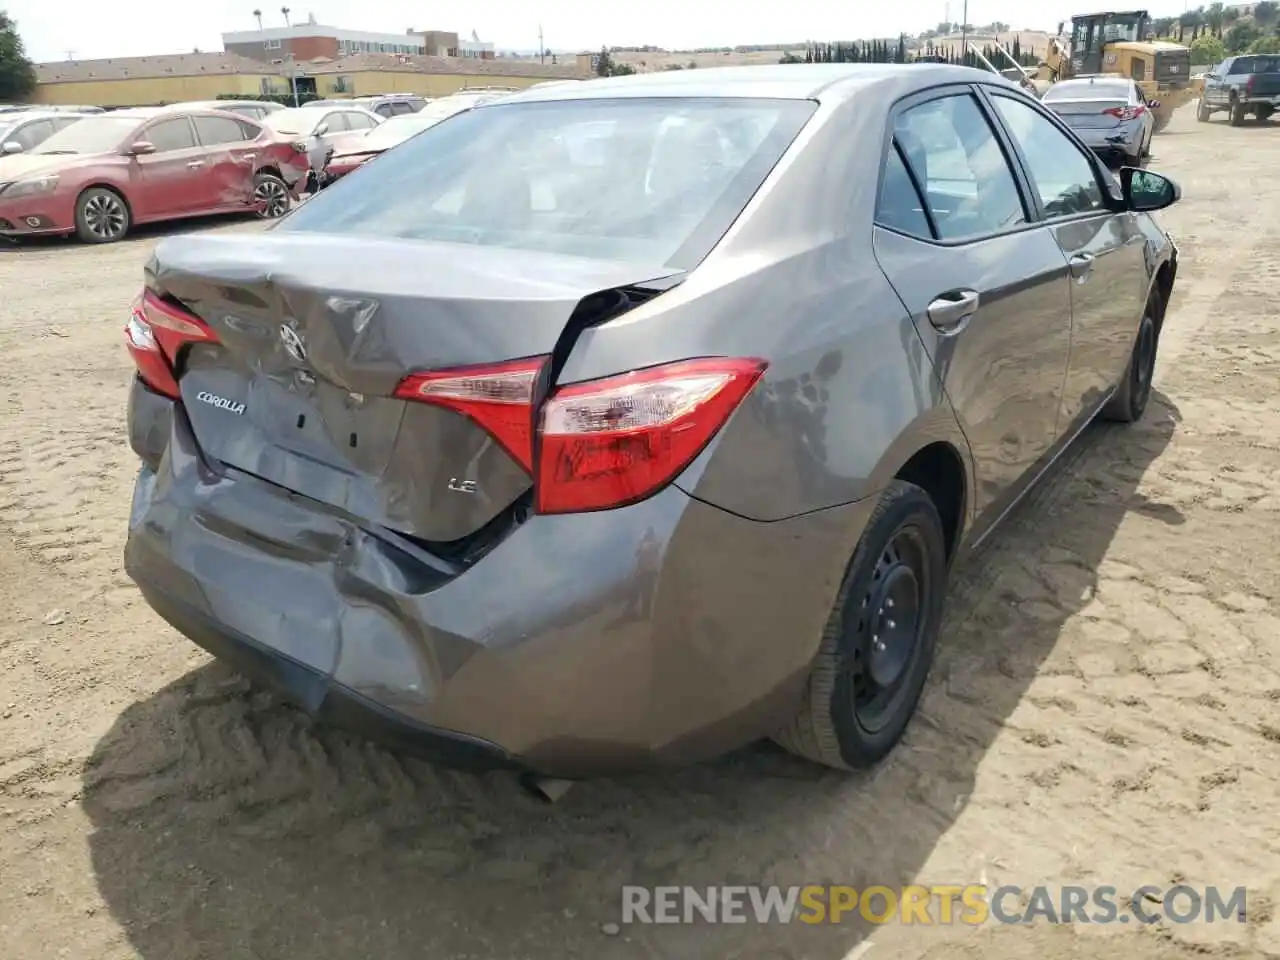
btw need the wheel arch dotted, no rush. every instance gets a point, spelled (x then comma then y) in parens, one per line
(934, 455)
(107, 185)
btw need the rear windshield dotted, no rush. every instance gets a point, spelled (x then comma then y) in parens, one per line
(1097, 90)
(658, 179)
(96, 134)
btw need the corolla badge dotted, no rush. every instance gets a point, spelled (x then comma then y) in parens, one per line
(293, 344)
(222, 403)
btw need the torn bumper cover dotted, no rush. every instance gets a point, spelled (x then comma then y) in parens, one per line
(665, 632)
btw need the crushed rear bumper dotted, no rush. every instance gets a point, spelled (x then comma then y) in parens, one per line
(662, 633)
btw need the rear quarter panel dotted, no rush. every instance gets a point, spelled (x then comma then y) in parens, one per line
(850, 394)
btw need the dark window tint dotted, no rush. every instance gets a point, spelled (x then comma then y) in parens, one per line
(215, 130)
(383, 109)
(249, 130)
(900, 205)
(655, 180)
(401, 107)
(172, 134)
(61, 123)
(33, 133)
(1063, 175)
(971, 190)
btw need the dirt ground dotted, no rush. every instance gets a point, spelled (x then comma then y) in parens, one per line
(1105, 708)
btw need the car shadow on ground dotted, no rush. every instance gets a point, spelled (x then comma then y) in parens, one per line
(226, 825)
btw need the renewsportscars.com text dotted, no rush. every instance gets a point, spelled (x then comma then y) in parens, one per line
(971, 904)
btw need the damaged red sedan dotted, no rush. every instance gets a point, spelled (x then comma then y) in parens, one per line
(105, 174)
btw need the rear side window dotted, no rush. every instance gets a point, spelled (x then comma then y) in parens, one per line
(172, 134)
(953, 152)
(216, 130)
(401, 107)
(901, 206)
(657, 180)
(358, 121)
(337, 122)
(249, 130)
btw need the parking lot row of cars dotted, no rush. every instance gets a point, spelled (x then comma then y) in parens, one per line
(96, 175)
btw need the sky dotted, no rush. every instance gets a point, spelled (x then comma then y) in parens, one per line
(89, 29)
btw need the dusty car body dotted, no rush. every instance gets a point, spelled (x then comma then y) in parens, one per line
(20, 132)
(586, 460)
(104, 174)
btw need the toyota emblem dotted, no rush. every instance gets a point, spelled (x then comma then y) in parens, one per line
(293, 344)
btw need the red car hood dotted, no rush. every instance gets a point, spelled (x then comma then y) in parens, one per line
(21, 166)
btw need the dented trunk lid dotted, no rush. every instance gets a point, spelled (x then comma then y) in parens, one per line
(315, 332)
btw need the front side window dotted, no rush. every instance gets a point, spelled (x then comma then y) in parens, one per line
(1063, 176)
(169, 135)
(33, 133)
(954, 153)
(660, 180)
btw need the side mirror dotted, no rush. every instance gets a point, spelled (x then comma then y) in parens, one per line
(322, 130)
(1153, 104)
(140, 148)
(11, 146)
(1145, 191)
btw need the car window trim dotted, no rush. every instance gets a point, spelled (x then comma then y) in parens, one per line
(1025, 192)
(1110, 202)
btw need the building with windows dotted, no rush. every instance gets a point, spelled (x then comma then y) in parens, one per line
(147, 81)
(306, 41)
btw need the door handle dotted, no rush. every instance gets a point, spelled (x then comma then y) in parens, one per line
(950, 313)
(195, 163)
(1081, 266)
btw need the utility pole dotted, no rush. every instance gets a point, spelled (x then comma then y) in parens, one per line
(964, 31)
(542, 47)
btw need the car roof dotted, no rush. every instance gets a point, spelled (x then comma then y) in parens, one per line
(42, 115)
(816, 81)
(222, 104)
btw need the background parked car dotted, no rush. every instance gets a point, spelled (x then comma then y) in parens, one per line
(103, 174)
(253, 109)
(386, 105)
(20, 132)
(337, 126)
(48, 108)
(394, 132)
(1110, 114)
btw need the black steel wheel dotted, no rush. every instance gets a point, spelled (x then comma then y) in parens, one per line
(1134, 392)
(102, 216)
(878, 645)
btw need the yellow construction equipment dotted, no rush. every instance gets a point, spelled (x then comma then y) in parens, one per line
(1117, 43)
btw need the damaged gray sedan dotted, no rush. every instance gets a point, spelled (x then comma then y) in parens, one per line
(622, 423)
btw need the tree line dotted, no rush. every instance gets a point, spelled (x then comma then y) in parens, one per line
(17, 75)
(1216, 31)
(902, 51)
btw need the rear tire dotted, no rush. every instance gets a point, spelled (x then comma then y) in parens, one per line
(270, 191)
(1202, 111)
(878, 644)
(102, 216)
(1131, 396)
(1237, 113)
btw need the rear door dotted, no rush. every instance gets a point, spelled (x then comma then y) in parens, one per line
(232, 159)
(1105, 252)
(986, 286)
(174, 178)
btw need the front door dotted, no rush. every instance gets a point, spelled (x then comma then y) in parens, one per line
(1105, 251)
(987, 287)
(173, 179)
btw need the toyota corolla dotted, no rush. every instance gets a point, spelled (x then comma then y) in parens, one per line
(582, 460)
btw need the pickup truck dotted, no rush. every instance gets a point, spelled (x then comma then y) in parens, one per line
(1242, 85)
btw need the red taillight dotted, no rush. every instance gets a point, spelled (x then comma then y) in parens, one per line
(600, 444)
(155, 335)
(611, 442)
(1248, 84)
(499, 397)
(1126, 113)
